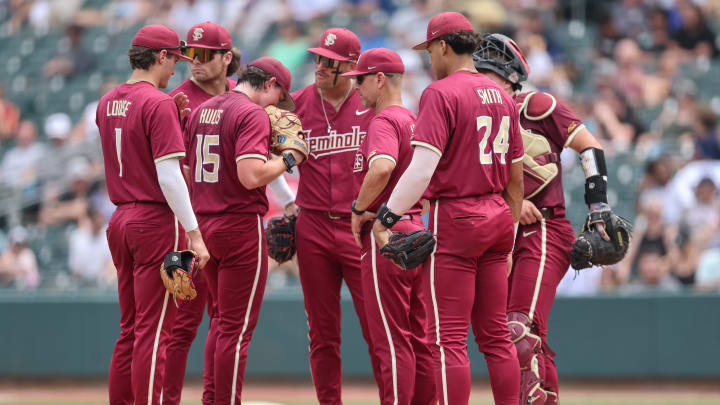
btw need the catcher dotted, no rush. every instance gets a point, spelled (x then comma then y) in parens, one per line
(544, 245)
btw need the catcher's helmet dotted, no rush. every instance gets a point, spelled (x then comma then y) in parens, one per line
(500, 54)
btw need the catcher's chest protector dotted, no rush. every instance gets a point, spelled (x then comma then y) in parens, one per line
(539, 162)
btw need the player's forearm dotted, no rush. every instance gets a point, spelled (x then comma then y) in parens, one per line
(254, 173)
(282, 191)
(374, 183)
(513, 193)
(176, 193)
(414, 181)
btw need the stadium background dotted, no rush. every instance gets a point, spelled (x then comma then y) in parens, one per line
(643, 75)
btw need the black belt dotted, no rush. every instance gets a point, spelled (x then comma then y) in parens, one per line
(552, 212)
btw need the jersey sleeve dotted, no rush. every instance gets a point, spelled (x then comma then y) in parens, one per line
(433, 125)
(253, 136)
(517, 150)
(562, 125)
(166, 139)
(381, 141)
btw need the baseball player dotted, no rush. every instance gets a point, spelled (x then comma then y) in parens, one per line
(335, 122)
(545, 237)
(142, 144)
(209, 45)
(468, 155)
(230, 134)
(394, 306)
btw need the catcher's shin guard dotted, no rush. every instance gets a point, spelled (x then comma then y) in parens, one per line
(552, 398)
(527, 345)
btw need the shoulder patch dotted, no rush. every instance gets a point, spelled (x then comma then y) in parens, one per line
(537, 106)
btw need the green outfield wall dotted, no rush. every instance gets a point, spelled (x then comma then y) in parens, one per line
(609, 336)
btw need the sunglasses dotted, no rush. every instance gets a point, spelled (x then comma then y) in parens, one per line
(331, 63)
(172, 48)
(361, 78)
(204, 55)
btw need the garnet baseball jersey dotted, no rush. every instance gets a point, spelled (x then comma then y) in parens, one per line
(560, 127)
(196, 96)
(326, 179)
(139, 126)
(223, 130)
(388, 137)
(473, 124)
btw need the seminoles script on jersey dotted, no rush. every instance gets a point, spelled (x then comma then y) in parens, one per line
(222, 131)
(473, 125)
(139, 125)
(326, 179)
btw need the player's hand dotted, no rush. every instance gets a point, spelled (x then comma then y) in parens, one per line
(596, 221)
(182, 101)
(381, 234)
(290, 210)
(357, 222)
(196, 244)
(529, 214)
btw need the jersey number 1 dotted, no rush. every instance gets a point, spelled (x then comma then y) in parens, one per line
(501, 142)
(203, 156)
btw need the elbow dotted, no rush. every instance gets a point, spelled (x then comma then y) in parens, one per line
(249, 180)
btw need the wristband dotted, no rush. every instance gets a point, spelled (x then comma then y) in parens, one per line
(355, 210)
(289, 161)
(386, 217)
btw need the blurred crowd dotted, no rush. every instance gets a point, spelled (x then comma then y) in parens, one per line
(643, 74)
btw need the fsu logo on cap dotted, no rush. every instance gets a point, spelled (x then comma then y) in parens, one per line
(197, 34)
(330, 39)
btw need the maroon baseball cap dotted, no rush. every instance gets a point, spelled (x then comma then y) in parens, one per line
(378, 60)
(159, 37)
(339, 44)
(443, 24)
(209, 35)
(276, 69)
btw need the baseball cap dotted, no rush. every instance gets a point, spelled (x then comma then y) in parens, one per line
(339, 44)
(275, 68)
(378, 60)
(443, 24)
(160, 37)
(209, 35)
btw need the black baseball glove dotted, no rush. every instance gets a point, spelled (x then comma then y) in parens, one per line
(604, 240)
(280, 235)
(409, 250)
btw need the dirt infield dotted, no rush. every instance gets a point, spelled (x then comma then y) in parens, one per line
(364, 392)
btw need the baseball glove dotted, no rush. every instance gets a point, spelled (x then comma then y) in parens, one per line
(177, 272)
(409, 250)
(591, 249)
(286, 132)
(280, 235)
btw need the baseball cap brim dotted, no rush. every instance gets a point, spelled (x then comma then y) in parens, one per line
(355, 73)
(287, 104)
(328, 54)
(421, 46)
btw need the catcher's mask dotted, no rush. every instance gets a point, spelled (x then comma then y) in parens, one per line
(500, 54)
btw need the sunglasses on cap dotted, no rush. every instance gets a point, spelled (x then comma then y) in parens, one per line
(361, 78)
(204, 55)
(172, 48)
(324, 60)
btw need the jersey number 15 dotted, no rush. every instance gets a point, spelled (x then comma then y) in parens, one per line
(500, 144)
(203, 157)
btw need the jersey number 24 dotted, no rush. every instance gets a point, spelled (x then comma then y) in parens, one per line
(500, 143)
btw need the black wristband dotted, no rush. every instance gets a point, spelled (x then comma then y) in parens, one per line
(355, 210)
(387, 217)
(289, 161)
(595, 190)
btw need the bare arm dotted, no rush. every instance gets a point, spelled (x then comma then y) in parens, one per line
(513, 193)
(254, 172)
(583, 140)
(375, 181)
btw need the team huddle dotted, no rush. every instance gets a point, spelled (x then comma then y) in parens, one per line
(188, 171)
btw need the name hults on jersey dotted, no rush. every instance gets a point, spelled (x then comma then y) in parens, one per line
(334, 142)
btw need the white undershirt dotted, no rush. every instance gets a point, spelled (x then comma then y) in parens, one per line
(176, 193)
(282, 191)
(414, 181)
